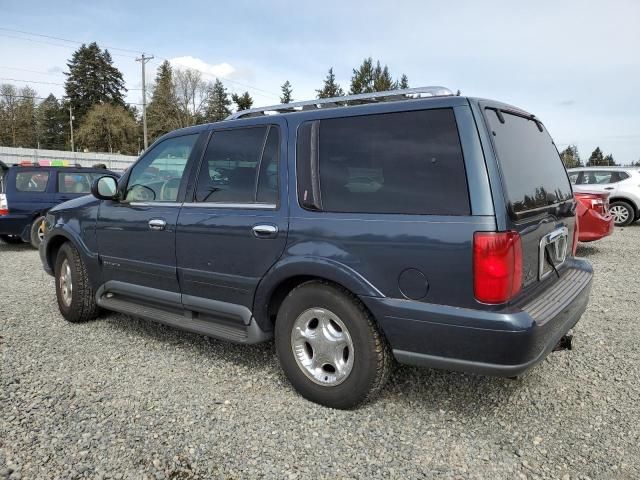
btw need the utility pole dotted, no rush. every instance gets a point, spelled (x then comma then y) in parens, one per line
(71, 124)
(143, 60)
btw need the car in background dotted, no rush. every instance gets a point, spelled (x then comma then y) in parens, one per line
(29, 191)
(594, 219)
(621, 183)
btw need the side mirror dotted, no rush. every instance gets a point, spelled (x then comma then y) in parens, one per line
(105, 188)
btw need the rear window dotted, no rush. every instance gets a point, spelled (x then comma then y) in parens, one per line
(403, 163)
(532, 172)
(32, 181)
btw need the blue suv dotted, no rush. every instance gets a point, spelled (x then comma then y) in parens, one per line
(414, 225)
(28, 191)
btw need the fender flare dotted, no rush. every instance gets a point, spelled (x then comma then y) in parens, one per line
(307, 266)
(90, 259)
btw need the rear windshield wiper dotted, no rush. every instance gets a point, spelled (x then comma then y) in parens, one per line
(547, 255)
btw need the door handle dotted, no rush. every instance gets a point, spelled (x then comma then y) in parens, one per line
(608, 188)
(265, 231)
(157, 224)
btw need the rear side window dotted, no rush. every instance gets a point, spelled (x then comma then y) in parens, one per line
(602, 177)
(77, 183)
(403, 163)
(240, 166)
(532, 172)
(35, 182)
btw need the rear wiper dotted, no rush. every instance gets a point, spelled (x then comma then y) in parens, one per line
(547, 255)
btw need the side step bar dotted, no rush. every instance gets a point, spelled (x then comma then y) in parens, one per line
(236, 333)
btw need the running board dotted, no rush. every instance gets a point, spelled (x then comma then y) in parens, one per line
(237, 333)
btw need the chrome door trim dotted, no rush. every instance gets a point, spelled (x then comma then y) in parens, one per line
(242, 206)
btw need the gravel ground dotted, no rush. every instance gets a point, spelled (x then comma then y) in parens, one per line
(123, 398)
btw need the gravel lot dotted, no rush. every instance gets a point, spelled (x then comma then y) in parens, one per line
(123, 398)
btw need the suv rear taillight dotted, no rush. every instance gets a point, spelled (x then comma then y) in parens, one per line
(497, 266)
(4, 206)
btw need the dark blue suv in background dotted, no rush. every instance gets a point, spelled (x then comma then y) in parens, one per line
(434, 229)
(28, 191)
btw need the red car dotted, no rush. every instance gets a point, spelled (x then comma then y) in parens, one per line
(594, 219)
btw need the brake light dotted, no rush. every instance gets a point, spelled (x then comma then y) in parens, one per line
(497, 266)
(4, 206)
(576, 234)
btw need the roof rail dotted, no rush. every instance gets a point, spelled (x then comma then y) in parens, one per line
(359, 99)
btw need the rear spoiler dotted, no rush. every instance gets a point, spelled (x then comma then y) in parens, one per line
(3, 166)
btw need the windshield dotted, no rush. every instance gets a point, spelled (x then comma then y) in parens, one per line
(532, 171)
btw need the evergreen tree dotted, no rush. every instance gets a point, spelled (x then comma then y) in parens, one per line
(52, 121)
(8, 114)
(109, 128)
(362, 79)
(608, 161)
(92, 79)
(26, 127)
(596, 159)
(163, 107)
(286, 92)
(330, 88)
(382, 80)
(243, 102)
(404, 82)
(218, 102)
(570, 157)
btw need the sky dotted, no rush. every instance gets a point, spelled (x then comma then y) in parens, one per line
(574, 64)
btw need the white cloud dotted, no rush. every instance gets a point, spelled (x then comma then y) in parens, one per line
(221, 70)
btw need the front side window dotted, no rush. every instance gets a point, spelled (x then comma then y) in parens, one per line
(403, 163)
(240, 166)
(157, 176)
(32, 181)
(78, 183)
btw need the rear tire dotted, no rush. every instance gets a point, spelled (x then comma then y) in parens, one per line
(330, 347)
(11, 239)
(76, 298)
(37, 232)
(623, 213)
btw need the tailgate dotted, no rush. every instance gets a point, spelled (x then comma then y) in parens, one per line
(537, 189)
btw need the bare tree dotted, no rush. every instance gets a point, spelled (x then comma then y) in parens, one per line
(191, 94)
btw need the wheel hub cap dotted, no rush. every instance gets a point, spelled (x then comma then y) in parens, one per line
(322, 347)
(65, 283)
(619, 213)
(41, 231)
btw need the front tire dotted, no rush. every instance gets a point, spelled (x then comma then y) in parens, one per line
(76, 298)
(37, 232)
(330, 347)
(623, 213)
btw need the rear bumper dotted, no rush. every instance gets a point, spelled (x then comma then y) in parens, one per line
(504, 342)
(13, 224)
(594, 226)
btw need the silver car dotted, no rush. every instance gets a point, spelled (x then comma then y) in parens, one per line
(622, 184)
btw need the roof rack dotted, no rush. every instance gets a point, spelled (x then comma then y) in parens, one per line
(362, 98)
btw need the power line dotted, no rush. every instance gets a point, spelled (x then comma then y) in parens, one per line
(64, 39)
(31, 71)
(245, 85)
(56, 44)
(44, 98)
(44, 83)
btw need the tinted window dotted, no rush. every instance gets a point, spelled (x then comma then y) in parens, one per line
(268, 177)
(602, 177)
(69, 182)
(157, 176)
(32, 181)
(532, 171)
(405, 163)
(233, 161)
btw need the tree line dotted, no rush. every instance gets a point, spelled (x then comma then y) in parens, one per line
(103, 121)
(571, 158)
